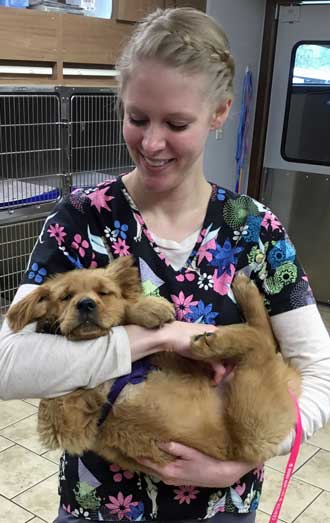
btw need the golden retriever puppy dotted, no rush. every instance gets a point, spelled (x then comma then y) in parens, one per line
(246, 419)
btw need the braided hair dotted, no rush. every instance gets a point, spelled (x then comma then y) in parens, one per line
(183, 38)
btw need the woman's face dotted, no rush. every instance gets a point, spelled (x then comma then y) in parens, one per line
(167, 118)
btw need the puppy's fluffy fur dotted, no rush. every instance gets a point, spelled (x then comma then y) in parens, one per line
(246, 420)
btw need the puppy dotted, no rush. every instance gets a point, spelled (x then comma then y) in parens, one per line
(246, 420)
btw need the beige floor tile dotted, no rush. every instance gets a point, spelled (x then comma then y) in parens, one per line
(24, 433)
(14, 410)
(318, 511)
(5, 443)
(23, 470)
(262, 517)
(280, 462)
(37, 520)
(321, 438)
(12, 513)
(33, 401)
(42, 499)
(298, 496)
(53, 455)
(317, 470)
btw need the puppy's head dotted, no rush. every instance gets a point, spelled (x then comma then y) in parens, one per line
(80, 304)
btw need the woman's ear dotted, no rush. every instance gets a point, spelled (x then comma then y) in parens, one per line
(220, 115)
(29, 309)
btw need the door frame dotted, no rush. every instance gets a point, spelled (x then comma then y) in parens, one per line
(263, 94)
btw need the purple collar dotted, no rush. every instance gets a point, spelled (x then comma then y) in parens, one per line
(140, 371)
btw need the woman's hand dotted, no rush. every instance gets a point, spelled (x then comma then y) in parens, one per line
(192, 467)
(172, 337)
(177, 337)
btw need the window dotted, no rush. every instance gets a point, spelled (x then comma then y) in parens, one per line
(306, 134)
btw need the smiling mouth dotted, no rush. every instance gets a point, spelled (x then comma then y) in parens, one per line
(153, 162)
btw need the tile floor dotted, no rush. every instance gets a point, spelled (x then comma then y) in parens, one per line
(28, 472)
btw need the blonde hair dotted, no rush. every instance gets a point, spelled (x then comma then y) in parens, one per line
(183, 38)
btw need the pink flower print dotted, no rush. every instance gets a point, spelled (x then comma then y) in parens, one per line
(121, 248)
(118, 476)
(99, 199)
(182, 304)
(80, 245)
(203, 251)
(67, 509)
(259, 472)
(93, 263)
(201, 235)
(57, 231)
(270, 220)
(138, 218)
(149, 235)
(163, 257)
(185, 494)
(240, 489)
(222, 283)
(121, 506)
(190, 276)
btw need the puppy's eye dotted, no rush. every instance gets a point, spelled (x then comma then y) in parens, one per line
(66, 297)
(104, 293)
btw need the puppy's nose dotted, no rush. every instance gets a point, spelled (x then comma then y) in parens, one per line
(86, 305)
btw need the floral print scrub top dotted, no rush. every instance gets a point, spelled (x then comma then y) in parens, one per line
(93, 226)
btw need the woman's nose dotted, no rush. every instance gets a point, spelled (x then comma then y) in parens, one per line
(153, 139)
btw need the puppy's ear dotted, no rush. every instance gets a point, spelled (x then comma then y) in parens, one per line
(29, 309)
(126, 275)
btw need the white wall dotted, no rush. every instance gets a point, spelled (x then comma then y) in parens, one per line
(243, 22)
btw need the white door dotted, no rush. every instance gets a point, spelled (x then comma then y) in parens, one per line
(296, 173)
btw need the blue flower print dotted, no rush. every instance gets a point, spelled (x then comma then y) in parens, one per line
(255, 501)
(253, 231)
(283, 251)
(224, 257)
(202, 313)
(221, 195)
(120, 229)
(136, 513)
(37, 274)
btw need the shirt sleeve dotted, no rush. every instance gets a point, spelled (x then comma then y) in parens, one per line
(305, 342)
(303, 339)
(41, 365)
(273, 263)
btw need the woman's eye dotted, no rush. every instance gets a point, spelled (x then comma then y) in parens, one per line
(137, 122)
(178, 127)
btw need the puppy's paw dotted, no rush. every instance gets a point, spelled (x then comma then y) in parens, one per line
(150, 312)
(201, 345)
(153, 311)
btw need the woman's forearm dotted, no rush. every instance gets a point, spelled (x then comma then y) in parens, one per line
(42, 365)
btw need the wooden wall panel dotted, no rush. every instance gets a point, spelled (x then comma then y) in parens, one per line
(27, 35)
(92, 40)
(133, 10)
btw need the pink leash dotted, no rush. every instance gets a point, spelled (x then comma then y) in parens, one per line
(291, 463)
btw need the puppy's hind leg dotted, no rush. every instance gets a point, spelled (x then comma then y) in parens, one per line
(250, 342)
(231, 342)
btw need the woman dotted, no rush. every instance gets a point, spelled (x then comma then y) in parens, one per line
(189, 238)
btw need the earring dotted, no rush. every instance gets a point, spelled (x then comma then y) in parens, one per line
(219, 134)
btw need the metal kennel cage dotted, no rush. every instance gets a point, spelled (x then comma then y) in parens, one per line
(52, 140)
